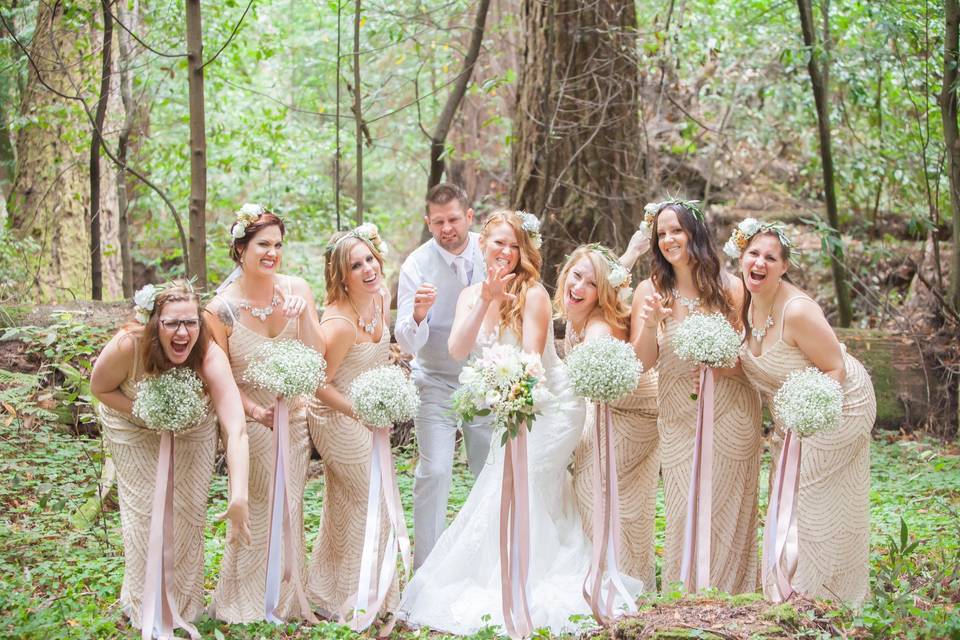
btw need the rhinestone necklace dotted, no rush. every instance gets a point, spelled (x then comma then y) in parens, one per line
(261, 313)
(573, 336)
(758, 334)
(692, 304)
(368, 327)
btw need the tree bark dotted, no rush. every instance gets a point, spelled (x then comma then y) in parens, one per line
(576, 156)
(819, 81)
(48, 200)
(951, 135)
(124, 55)
(439, 138)
(96, 261)
(198, 147)
(357, 105)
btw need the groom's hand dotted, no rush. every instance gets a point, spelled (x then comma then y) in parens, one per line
(423, 299)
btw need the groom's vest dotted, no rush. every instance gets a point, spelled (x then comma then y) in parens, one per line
(433, 363)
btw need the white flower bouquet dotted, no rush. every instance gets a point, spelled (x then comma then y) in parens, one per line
(504, 381)
(384, 396)
(708, 340)
(172, 401)
(604, 369)
(286, 368)
(809, 402)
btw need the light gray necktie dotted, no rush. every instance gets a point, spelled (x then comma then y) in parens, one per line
(460, 263)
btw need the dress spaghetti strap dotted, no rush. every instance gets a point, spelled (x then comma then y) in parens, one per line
(348, 320)
(783, 312)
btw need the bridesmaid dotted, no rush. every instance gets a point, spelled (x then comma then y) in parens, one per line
(589, 298)
(786, 331)
(687, 278)
(172, 336)
(261, 305)
(356, 326)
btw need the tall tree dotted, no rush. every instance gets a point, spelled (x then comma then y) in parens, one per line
(818, 67)
(357, 108)
(951, 134)
(198, 146)
(575, 156)
(96, 141)
(48, 200)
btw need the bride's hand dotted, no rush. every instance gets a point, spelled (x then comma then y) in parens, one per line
(494, 288)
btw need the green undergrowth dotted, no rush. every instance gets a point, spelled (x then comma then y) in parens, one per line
(61, 564)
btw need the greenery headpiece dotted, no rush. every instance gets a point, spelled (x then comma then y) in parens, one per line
(619, 277)
(531, 224)
(245, 216)
(145, 299)
(367, 232)
(653, 209)
(749, 227)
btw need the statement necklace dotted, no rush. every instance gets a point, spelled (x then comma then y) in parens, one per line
(261, 313)
(575, 337)
(368, 327)
(758, 334)
(692, 304)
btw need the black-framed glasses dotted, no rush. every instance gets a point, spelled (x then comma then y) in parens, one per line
(171, 325)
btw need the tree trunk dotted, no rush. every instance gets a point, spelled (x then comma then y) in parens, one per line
(48, 200)
(951, 135)
(576, 157)
(819, 81)
(357, 112)
(123, 143)
(198, 147)
(96, 261)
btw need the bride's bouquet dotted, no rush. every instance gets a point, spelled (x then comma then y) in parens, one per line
(286, 368)
(809, 402)
(603, 370)
(504, 381)
(384, 396)
(708, 340)
(172, 401)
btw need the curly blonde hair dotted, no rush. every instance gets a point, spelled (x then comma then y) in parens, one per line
(615, 312)
(527, 269)
(337, 263)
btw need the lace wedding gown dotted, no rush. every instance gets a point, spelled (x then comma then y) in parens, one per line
(457, 589)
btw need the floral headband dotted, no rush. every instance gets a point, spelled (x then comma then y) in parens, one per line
(653, 209)
(619, 278)
(531, 224)
(367, 232)
(749, 227)
(245, 216)
(145, 299)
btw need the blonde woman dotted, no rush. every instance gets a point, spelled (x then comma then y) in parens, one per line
(591, 296)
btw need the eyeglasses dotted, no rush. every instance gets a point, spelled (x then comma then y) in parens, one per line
(171, 325)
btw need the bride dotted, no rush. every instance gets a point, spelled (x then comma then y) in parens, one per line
(457, 589)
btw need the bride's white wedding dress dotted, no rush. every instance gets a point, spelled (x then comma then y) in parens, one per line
(458, 585)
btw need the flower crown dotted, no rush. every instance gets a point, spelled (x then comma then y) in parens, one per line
(367, 232)
(619, 277)
(245, 216)
(749, 227)
(531, 224)
(653, 209)
(145, 299)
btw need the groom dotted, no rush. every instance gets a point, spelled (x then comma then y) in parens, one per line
(431, 280)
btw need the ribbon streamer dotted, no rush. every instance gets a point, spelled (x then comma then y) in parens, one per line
(695, 563)
(159, 613)
(373, 587)
(515, 537)
(780, 547)
(606, 525)
(282, 565)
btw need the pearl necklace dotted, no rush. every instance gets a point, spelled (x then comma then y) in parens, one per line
(371, 326)
(261, 313)
(692, 304)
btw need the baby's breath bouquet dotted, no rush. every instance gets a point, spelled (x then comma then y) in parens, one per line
(604, 369)
(172, 401)
(286, 368)
(384, 396)
(809, 402)
(502, 380)
(708, 340)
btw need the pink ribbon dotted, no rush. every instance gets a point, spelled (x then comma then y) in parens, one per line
(780, 548)
(362, 608)
(159, 612)
(281, 555)
(515, 537)
(695, 562)
(606, 525)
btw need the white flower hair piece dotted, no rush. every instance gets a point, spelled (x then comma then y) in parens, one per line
(531, 224)
(144, 301)
(619, 277)
(749, 227)
(245, 216)
(369, 232)
(652, 209)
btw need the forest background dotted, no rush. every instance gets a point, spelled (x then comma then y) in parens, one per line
(131, 130)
